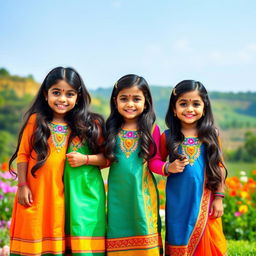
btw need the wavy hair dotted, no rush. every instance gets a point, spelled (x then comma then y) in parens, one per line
(207, 132)
(145, 120)
(83, 123)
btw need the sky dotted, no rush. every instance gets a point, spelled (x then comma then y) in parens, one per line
(164, 41)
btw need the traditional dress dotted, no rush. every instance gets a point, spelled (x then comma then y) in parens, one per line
(133, 220)
(85, 225)
(39, 229)
(189, 229)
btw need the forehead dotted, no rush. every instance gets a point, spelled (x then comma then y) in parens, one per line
(131, 91)
(62, 85)
(193, 95)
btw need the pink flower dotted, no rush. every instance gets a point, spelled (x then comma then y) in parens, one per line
(237, 214)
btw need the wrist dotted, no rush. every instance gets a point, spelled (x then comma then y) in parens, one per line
(166, 168)
(22, 184)
(220, 195)
(86, 160)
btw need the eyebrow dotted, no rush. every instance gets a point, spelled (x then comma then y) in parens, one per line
(189, 100)
(58, 89)
(127, 95)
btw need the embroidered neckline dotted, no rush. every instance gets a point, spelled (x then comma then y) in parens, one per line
(59, 134)
(191, 149)
(128, 141)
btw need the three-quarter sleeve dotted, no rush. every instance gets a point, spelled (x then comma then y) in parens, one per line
(156, 164)
(25, 147)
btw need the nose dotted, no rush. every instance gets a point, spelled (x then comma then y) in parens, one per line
(62, 98)
(130, 103)
(190, 108)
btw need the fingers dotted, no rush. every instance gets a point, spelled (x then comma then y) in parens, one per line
(215, 213)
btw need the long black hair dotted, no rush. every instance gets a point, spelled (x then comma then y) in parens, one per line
(80, 120)
(145, 121)
(207, 132)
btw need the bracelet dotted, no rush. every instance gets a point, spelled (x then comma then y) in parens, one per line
(22, 184)
(219, 194)
(87, 160)
(166, 172)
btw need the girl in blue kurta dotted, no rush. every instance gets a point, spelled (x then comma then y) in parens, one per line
(196, 174)
(133, 220)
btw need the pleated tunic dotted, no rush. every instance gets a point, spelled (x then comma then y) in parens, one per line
(85, 224)
(132, 215)
(39, 229)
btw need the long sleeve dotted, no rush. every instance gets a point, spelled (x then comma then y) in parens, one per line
(163, 149)
(25, 147)
(156, 164)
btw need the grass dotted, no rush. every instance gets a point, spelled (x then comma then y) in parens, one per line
(241, 248)
(234, 168)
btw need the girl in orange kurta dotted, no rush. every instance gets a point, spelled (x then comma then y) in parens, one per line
(37, 226)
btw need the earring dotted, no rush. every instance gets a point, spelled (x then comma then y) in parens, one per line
(174, 114)
(46, 99)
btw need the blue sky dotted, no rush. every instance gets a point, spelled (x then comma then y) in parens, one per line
(164, 41)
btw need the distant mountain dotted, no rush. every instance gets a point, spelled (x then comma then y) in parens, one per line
(21, 85)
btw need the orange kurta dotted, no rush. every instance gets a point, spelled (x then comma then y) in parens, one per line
(39, 229)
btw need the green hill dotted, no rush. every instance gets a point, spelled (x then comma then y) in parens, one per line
(234, 112)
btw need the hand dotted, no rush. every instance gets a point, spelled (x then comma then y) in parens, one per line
(178, 165)
(217, 208)
(25, 196)
(76, 159)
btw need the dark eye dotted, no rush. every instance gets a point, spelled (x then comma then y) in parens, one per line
(70, 94)
(196, 105)
(56, 93)
(123, 99)
(136, 99)
(183, 104)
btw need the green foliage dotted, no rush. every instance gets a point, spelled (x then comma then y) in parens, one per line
(246, 152)
(241, 248)
(4, 72)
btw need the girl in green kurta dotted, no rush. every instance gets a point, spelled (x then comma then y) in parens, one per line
(132, 214)
(85, 223)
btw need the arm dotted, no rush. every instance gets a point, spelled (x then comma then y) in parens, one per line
(177, 165)
(217, 209)
(76, 159)
(156, 164)
(24, 194)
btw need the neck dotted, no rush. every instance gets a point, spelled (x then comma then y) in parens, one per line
(189, 131)
(130, 125)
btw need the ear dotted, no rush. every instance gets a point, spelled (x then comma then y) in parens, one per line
(174, 111)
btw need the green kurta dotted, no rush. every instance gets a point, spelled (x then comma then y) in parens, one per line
(85, 222)
(133, 219)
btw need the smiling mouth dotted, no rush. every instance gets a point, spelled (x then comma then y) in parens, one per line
(130, 110)
(189, 116)
(61, 106)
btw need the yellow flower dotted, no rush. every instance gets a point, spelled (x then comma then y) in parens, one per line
(243, 209)
(244, 194)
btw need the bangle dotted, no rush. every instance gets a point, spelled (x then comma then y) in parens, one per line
(219, 194)
(22, 184)
(86, 160)
(166, 172)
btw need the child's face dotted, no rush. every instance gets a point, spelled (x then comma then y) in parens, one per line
(189, 108)
(61, 99)
(130, 103)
